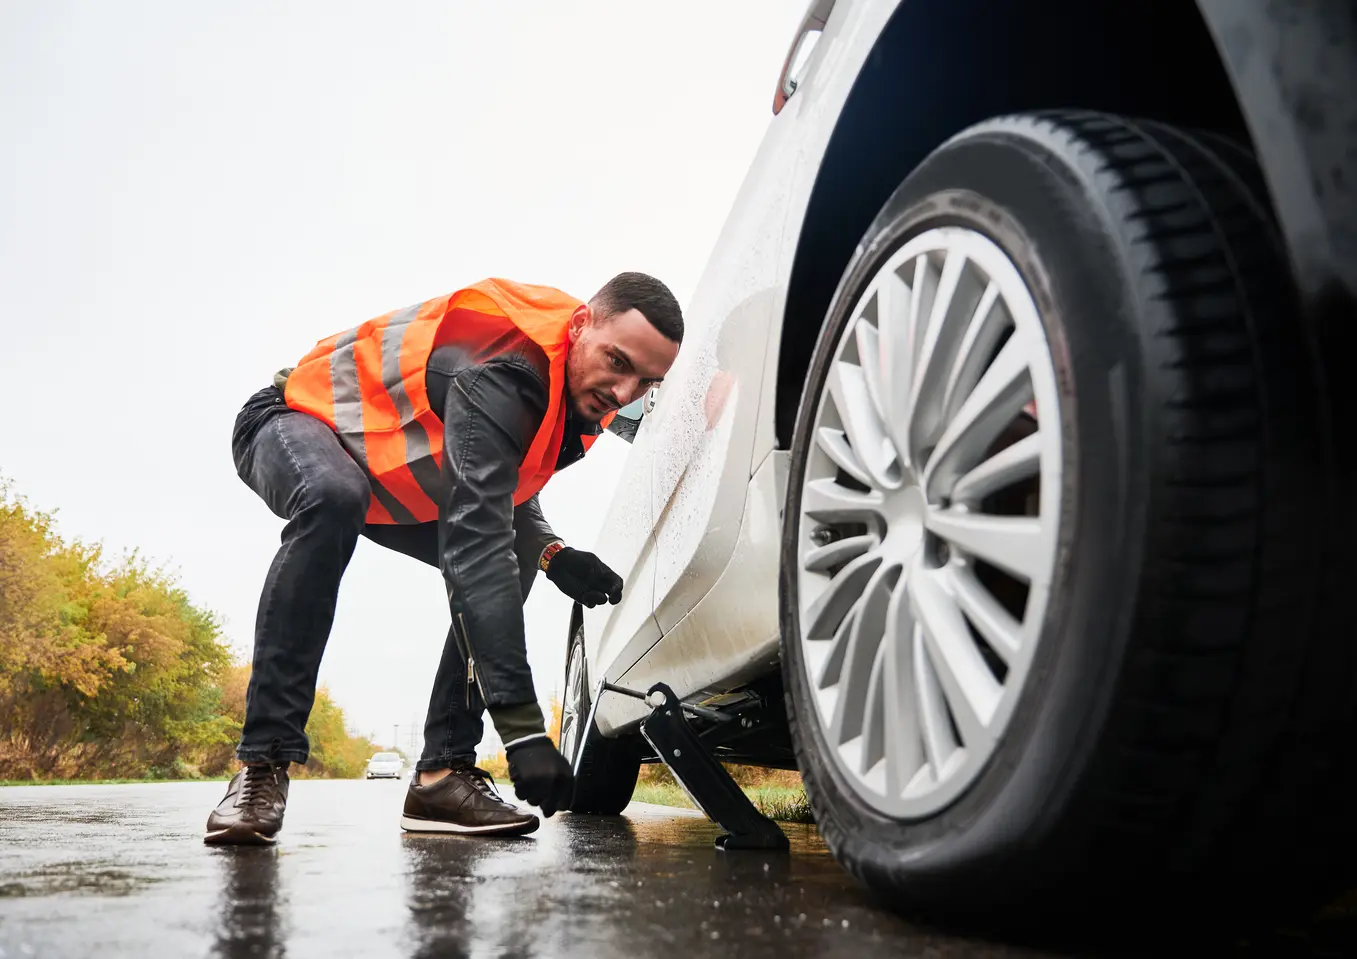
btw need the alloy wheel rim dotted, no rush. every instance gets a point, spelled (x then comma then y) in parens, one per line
(571, 707)
(928, 522)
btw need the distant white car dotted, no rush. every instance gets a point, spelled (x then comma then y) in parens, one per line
(385, 766)
(997, 485)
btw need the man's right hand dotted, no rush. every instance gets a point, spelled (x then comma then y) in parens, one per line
(584, 577)
(541, 775)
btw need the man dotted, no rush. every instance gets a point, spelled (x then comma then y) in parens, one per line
(430, 431)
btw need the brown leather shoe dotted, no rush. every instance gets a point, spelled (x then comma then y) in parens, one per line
(252, 812)
(463, 801)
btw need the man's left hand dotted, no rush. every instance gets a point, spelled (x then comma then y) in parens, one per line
(584, 577)
(541, 775)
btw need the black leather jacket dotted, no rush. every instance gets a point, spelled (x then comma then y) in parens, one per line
(491, 410)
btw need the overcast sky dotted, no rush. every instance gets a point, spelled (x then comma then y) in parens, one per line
(192, 194)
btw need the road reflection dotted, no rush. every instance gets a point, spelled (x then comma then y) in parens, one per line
(597, 886)
(250, 904)
(528, 896)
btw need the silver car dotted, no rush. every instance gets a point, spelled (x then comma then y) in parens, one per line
(1000, 485)
(385, 766)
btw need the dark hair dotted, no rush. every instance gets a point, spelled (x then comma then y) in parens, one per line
(640, 291)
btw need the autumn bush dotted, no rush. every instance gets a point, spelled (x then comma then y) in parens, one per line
(107, 670)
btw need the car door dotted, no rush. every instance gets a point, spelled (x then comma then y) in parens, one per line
(704, 423)
(627, 544)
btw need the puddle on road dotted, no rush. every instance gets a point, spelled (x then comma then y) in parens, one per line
(74, 878)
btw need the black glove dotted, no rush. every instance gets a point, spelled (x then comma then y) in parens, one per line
(584, 577)
(541, 774)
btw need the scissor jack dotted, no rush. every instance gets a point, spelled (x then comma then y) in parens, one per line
(703, 778)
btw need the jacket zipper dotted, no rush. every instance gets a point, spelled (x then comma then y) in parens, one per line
(473, 678)
(470, 679)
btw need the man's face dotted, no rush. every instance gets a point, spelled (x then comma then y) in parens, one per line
(613, 360)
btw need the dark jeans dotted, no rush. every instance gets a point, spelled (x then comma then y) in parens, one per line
(298, 467)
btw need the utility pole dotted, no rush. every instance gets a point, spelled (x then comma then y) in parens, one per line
(395, 735)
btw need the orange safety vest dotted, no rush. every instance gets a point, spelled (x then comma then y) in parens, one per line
(367, 384)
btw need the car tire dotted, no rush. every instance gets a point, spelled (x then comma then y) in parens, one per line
(607, 771)
(1185, 724)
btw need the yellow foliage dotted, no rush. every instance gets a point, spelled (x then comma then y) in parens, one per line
(554, 720)
(497, 765)
(43, 635)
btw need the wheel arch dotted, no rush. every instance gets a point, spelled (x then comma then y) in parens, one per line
(1183, 63)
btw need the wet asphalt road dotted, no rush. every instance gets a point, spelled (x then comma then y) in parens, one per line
(121, 871)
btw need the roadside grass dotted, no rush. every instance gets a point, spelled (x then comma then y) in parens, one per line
(777, 793)
(662, 794)
(781, 803)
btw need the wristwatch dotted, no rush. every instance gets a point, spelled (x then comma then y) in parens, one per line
(545, 560)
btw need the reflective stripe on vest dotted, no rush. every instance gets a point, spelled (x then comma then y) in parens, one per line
(368, 385)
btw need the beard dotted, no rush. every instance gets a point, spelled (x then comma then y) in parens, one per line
(589, 407)
(582, 411)
(579, 396)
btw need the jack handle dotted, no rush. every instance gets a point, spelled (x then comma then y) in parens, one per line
(657, 698)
